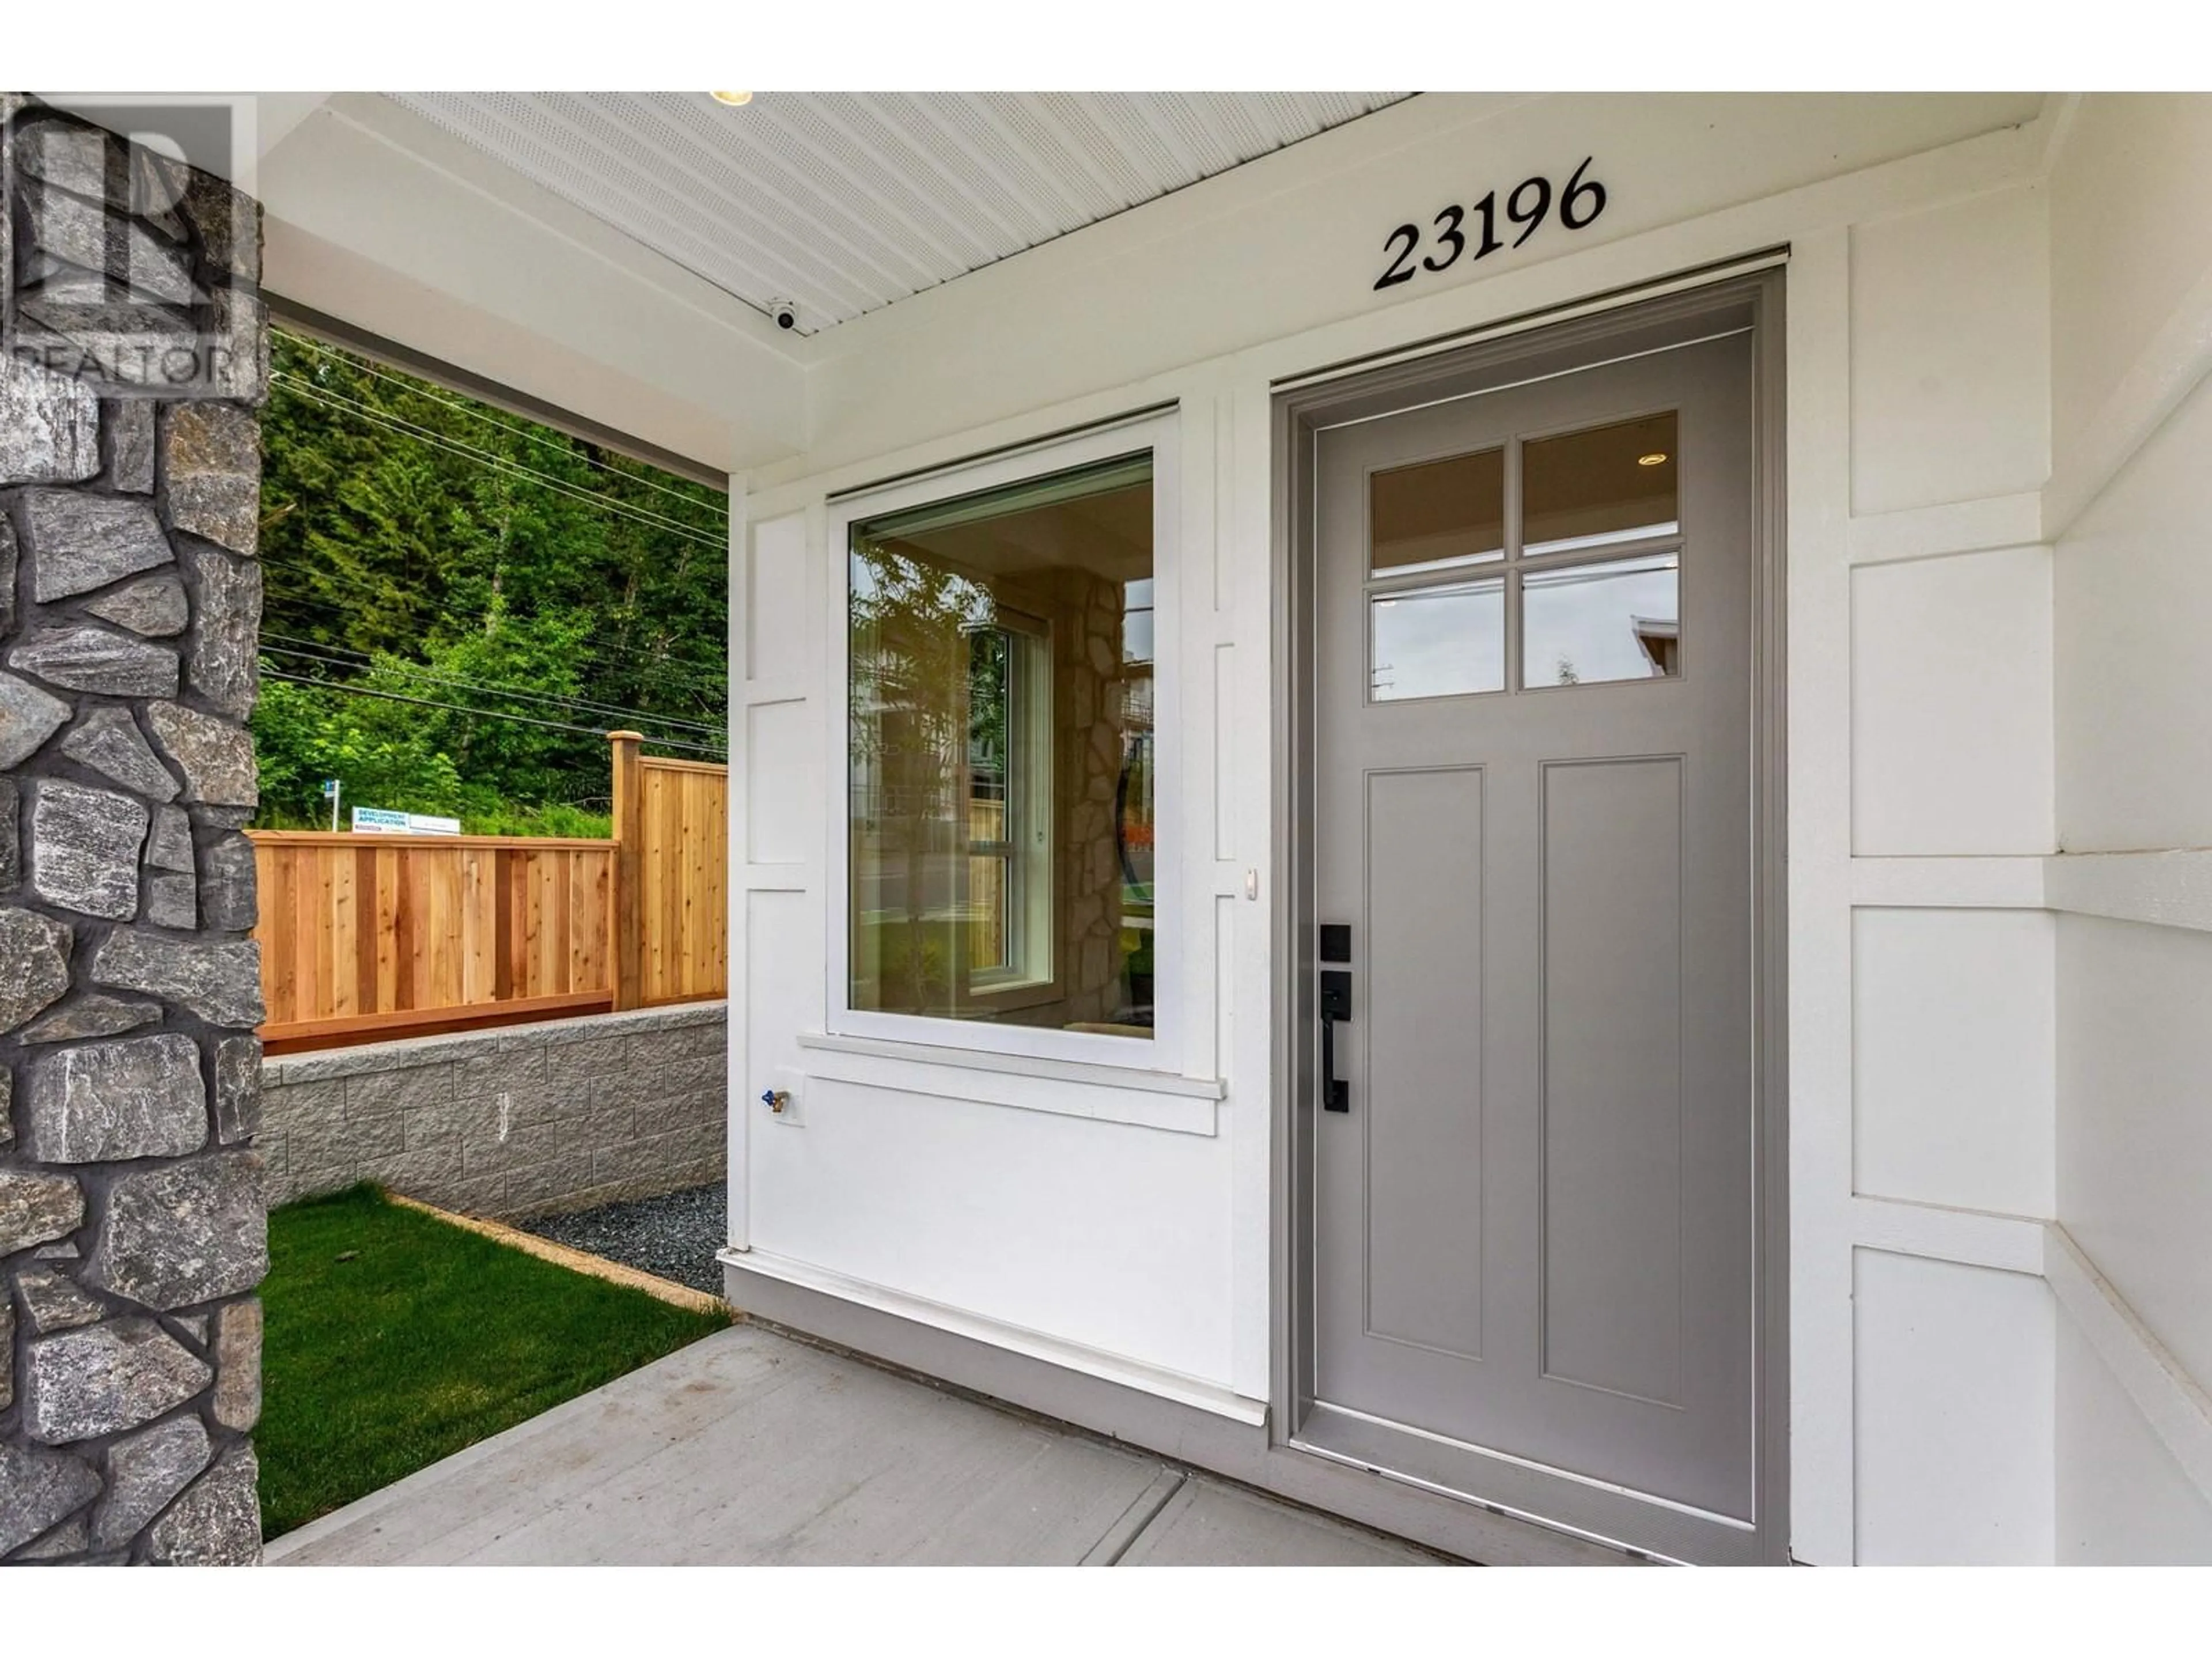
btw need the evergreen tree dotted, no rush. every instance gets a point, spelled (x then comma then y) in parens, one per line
(423, 545)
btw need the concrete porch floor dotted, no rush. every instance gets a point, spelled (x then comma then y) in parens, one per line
(749, 1447)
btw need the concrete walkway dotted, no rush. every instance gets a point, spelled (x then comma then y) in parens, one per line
(749, 1447)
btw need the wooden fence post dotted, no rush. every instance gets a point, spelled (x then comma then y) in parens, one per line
(626, 923)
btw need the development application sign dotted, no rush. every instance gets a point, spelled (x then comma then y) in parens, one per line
(377, 821)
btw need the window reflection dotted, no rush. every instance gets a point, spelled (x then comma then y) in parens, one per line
(1001, 765)
(1608, 484)
(1439, 642)
(1594, 623)
(1439, 515)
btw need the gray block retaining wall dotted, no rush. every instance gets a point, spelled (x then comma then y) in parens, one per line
(522, 1120)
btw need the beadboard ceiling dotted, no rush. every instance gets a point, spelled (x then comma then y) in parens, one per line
(845, 202)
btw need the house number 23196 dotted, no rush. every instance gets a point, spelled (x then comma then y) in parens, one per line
(1480, 231)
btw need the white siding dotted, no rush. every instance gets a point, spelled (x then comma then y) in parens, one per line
(2134, 1138)
(2131, 244)
(1950, 354)
(2134, 655)
(1951, 705)
(2121, 1500)
(1949, 1070)
(1952, 1058)
(2132, 499)
(1955, 1381)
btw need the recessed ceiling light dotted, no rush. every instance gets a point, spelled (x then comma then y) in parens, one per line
(732, 99)
(1657, 458)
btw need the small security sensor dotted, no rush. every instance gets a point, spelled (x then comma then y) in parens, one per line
(786, 312)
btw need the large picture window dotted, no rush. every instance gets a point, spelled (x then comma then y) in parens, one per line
(1000, 764)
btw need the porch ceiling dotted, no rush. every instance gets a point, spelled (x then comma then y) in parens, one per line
(845, 202)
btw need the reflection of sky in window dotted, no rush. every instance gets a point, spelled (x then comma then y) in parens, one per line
(1580, 625)
(1137, 620)
(1440, 641)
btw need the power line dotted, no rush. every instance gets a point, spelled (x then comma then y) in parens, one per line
(682, 668)
(699, 709)
(484, 457)
(481, 713)
(633, 716)
(565, 445)
(328, 578)
(370, 411)
(289, 647)
(703, 696)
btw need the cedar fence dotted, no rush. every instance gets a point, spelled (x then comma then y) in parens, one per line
(367, 937)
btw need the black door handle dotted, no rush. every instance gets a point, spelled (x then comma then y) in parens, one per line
(1335, 1004)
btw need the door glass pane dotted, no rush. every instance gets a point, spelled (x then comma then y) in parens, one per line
(1439, 514)
(1610, 483)
(1439, 642)
(1590, 622)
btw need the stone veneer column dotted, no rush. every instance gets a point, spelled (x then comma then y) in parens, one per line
(133, 1229)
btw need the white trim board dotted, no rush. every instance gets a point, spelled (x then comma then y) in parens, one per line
(1179, 960)
(1962, 882)
(2178, 1409)
(1980, 525)
(2164, 888)
(2168, 369)
(1035, 1345)
(1107, 1094)
(1978, 1238)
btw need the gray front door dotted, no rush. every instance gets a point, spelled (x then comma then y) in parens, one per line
(1535, 1254)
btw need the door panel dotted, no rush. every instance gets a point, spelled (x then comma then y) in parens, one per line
(1534, 1232)
(1612, 1075)
(1425, 943)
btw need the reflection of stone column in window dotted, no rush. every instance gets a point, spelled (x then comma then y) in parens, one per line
(1089, 756)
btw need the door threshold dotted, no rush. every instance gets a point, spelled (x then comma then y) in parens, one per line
(1609, 1516)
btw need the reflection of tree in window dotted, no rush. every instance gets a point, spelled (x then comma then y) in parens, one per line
(1133, 799)
(990, 712)
(1000, 764)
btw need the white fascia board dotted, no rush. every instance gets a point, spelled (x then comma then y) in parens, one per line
(375, 217)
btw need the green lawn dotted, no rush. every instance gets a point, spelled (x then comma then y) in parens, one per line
(394, 1339)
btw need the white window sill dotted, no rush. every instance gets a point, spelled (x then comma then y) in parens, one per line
(1067, 1087)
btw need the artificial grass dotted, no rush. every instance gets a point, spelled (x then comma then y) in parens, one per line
(393, 1339)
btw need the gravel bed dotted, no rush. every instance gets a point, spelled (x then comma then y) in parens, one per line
(675, 1236)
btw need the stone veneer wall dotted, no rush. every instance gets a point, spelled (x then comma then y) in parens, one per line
(132, 1224)
(523, 1120)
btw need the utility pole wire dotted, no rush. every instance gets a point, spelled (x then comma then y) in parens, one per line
(686, 668)
(423, 389)
(290, 648)
(481, 713)
(485, 458)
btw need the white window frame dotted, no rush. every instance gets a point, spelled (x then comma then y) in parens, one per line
(1172, 953)
(1032, 849)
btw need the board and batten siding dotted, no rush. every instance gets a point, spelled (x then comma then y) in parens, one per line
(1929, 1017)
(2130, 506)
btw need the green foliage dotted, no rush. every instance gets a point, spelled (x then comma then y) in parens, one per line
(305, 734)
(394, 1339)
(553, 818)
(425, 546)
(389, 755)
